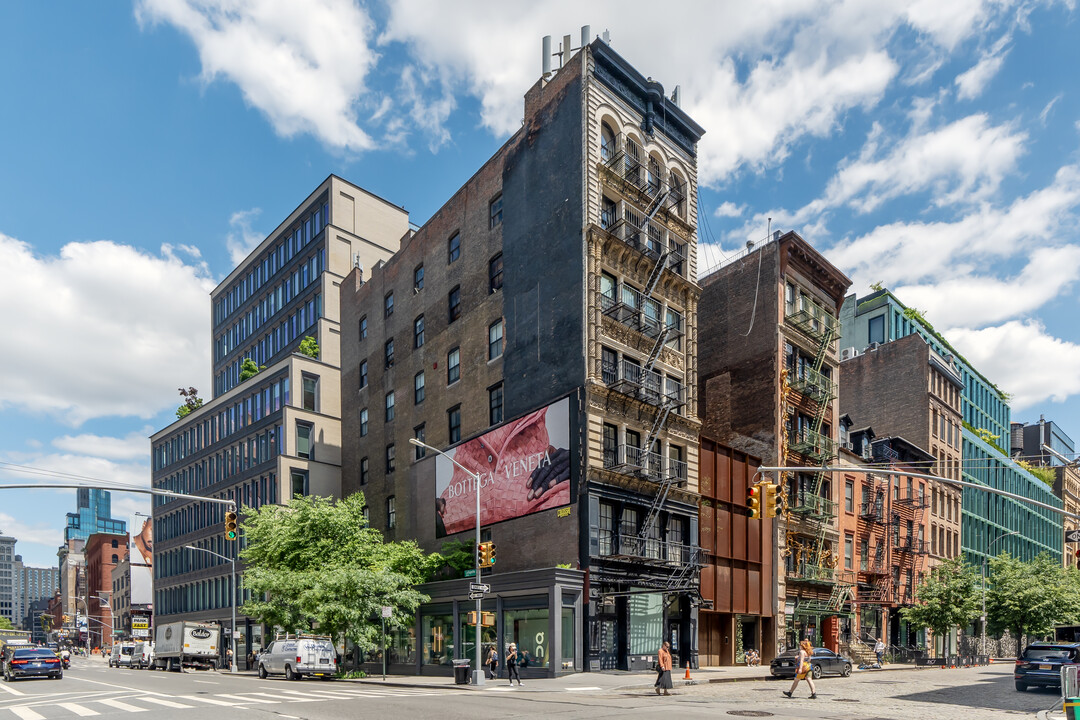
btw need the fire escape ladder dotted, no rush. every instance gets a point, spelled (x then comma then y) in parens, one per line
(654, 354)
(654, 277)
(657, 203)
(666, 478)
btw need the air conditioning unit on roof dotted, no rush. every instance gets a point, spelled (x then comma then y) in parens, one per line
(847, 353)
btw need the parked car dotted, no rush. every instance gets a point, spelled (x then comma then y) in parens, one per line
(121, 654)
(1040, 664)
(822, 662)
(297, 656)
(142, 656)
(32, 662)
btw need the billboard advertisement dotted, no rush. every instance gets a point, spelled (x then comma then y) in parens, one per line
(523, 466)
(141, 549)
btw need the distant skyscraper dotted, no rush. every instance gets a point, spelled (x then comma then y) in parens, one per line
(94, 515)
(9, 584)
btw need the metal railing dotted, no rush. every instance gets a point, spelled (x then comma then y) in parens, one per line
(651, 465)
(811, 383)
(813, 445)
(646, 548)
(811, 318)
(647, 385)
(810, 504)
(815, 573)
(873, 511)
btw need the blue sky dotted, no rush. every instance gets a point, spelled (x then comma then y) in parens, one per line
(929, 145)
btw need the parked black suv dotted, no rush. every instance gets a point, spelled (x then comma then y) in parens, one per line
(1041, 663)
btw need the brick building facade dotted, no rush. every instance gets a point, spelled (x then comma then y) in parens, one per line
(767, 361)
(104, 551)
(556, 283)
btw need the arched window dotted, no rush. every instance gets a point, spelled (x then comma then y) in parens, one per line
(654, 177)
(115, 559)
(607, 142)
(678, 194)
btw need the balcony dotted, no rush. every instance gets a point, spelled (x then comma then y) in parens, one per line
(812, 384)
(912, 546)
(811, 505)
(628, 162)
(879, 592)
(811, 318)
(873, 511)
(646, 236)
(915, 502)
(653, 551)
(815, 446)
(629, 378)
(632, 460)
(806, 572)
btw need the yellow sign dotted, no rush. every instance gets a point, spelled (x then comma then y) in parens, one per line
(563, 512)
(140, 623)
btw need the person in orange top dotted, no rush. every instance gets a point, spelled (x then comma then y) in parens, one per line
(803, 670)
(663, 668)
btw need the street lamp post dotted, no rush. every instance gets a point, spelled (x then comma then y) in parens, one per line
(988, 551)
(478, 677)
(232, 598)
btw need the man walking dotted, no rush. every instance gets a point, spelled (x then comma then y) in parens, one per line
(879, 650)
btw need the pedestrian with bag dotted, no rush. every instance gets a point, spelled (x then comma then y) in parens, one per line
(663, 668)
(803, 670)
(491, 663)
(512, 664)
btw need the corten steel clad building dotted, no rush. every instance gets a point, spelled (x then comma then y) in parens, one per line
(768, 365)
(541, 327)
(277, 434)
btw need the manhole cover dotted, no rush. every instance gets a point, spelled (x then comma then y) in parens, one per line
(749, 713)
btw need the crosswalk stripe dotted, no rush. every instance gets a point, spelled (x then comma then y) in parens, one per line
(121, 705)
(212, 701)
(280, 698)
(159, 701)
(243, 699)
(78, 709)
(26, 713)
(329, 695)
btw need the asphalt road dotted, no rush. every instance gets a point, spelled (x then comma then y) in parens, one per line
(90, 689)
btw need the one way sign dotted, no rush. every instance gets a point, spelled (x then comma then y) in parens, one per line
(1072, 536)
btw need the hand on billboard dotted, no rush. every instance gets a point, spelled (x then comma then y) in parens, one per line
(548, 476)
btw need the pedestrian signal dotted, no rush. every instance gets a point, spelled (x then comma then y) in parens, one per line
(230, 525)
(753, 501)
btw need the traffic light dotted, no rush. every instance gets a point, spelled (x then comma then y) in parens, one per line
(770, 500)
(753, 502)
(230, 525)
(471, 619)
(486, 554)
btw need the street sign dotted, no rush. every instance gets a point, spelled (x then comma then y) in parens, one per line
(479, 587)
(476, 596)
(471, 572)
(1072, 536)
(387, 611)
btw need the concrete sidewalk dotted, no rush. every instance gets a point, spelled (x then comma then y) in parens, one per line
(608, 681)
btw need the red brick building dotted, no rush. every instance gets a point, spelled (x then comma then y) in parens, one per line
(104, 551)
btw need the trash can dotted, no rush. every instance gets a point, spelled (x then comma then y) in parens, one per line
(461, 672)
(1072, 708)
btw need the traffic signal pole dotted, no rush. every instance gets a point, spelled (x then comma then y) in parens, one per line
(478, 677)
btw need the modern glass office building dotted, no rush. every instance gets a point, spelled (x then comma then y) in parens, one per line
(881, 318)
(94, 515)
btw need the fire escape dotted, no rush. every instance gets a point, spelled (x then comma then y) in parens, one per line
(876, 585)
(810, 516)
(626, 167)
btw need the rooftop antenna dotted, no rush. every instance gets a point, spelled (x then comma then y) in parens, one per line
(586, 35)
(607, 37)
(676, 96)
(545, 54)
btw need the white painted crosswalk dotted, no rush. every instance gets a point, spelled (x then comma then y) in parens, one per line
(39, 708)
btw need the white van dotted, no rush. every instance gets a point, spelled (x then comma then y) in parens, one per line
(143, 655)
(295, 656)
(121, 654)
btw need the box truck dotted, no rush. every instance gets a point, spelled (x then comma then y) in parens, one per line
(179, 645)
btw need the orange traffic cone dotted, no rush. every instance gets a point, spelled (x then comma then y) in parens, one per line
(687, 676)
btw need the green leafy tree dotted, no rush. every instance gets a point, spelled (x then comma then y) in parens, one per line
(309, 347)
(459, 556)
(315, 565)
(248, 369)
(192, 402)
(947, 598)
(1029, 597)
(5, 624)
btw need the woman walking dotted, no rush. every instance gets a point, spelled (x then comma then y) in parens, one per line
(491, 664)
(512, 664)
(803, 671)
(663, 668)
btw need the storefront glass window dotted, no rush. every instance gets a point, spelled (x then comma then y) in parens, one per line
(438, 639)
(488, 638)
(568, 638)
(646, 623)
(529, 629)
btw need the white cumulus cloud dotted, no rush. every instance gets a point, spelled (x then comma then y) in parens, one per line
(144, 316)
(303, 64)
